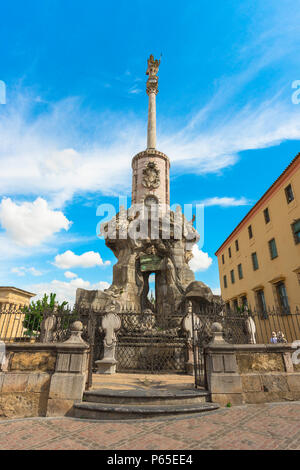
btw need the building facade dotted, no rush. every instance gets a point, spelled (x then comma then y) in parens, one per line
(259, 263)
(14, 297)
(12, 300)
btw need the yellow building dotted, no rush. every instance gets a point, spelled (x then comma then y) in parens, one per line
(259, 263)
(14, 296)
(12, 300)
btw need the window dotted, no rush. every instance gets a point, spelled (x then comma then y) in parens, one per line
(232, 276)
(289, 193)
(296, 231)
(273, 248)
(240, 271)
(267, 215)
(223, 259)
(227, 306)
(261, 301)
(244, 302)
(225, 281)
(229, 252)
(237, 245)
(282, 297)
(250, 231)
(254, 261)
(235, 305)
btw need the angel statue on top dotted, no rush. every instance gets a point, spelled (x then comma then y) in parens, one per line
(153, 66)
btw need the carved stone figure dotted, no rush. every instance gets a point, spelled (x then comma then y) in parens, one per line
(153, 66)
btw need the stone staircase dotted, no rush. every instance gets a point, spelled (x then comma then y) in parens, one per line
(110, 404)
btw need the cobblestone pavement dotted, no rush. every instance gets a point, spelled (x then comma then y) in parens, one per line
(267, 426)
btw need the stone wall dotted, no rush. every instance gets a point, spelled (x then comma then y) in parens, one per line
(252, 373)
(42, 379)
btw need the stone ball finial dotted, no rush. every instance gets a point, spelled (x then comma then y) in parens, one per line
(76, 331)
(77, 326)
(217, 327)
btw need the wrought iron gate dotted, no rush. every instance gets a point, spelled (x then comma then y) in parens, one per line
(150, 343)
(234, 331)
(146, 342)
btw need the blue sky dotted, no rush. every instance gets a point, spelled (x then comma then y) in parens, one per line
(76, 113)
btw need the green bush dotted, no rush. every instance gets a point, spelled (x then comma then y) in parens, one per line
(34, 314)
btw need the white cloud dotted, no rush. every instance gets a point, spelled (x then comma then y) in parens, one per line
(21, 271)
(31, 223)
(68, 259)
(226, 201)
(65, 290)
(70, 275)
(38, 156)
(216, 291)
(135, 90)
(201, 261)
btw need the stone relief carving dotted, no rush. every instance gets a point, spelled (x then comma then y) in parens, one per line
(151, 179)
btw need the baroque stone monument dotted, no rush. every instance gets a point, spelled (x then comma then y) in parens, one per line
(149, 238)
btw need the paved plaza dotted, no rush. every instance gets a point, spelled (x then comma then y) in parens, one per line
(267, 426)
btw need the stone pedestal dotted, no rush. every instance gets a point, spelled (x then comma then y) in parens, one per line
(223, 379)
(68, 381)
(106, 365)
(190, 370)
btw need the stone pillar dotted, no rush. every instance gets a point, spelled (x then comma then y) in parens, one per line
(68, 382)
(223, 380)
(151, 134)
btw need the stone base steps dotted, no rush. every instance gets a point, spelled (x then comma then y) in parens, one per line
(146, 397)
(135, 404)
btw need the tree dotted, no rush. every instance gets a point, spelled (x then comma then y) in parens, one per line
(36, 311)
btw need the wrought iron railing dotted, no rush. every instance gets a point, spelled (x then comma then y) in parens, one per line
(241, 327)
(21, 325)
(271, 325)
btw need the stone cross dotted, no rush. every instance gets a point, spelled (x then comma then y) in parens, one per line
(48, 325)
(188, 321)
(111, 323)
(188, 327)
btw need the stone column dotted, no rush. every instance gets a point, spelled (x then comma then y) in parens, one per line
(151, 135)
(152, 90)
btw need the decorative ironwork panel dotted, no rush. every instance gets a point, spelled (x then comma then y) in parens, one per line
(150, 343)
